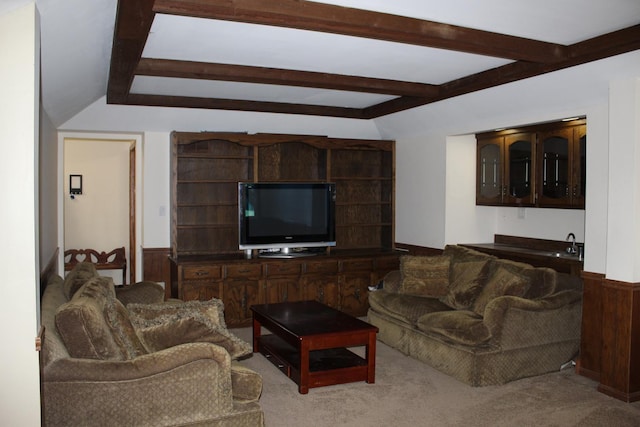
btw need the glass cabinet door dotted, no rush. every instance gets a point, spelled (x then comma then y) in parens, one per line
(489, 171)
(519, 169)
(555, 172)
(579, 166)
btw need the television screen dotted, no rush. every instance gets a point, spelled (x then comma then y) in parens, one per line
(286, 215)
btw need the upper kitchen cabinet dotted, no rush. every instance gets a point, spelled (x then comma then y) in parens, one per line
(538, 166)
(562, 178)
(505, 169)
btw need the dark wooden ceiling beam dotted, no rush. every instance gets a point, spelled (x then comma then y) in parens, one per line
(334, 19)
(614, 43)
(242, 105)
(277, 76)
(133, 22)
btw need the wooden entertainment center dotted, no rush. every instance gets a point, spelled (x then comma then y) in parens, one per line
(206, 261)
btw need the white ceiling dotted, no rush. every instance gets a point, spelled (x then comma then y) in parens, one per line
(76, 39)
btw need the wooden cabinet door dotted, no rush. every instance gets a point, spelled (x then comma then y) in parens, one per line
(238, 296)
(519, 167)
(355, 293)
(324, 289)
(563, 157)
(490, 171)
(282, 290)
(200, 291)
(579, 166)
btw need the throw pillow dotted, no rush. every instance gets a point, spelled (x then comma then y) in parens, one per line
(459, 326)
(467, 281)
(77, 277)
(95, 325)
(426, 276)
(162, 312)
(166, 325)
(502, 282)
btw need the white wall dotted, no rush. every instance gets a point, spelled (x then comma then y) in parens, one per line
(19, 78)
(156, 190)
(48, 181)
(421, 131)
(623, 233)
(99, 217)
(434, 153)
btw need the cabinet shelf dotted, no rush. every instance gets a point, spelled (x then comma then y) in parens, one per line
(206, 168)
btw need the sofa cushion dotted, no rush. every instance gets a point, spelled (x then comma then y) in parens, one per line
(543, 282)
(95, 325)
(424, 275)
(77, 277)
(166, 325)
(502, 281)
(460, 326)
(403, 307)
(466, 282)
(463, 254)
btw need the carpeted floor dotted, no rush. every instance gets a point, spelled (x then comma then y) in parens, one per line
(411, 393)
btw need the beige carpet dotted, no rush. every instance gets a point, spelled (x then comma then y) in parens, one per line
(410, 393)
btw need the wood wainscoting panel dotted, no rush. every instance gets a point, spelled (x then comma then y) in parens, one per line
(620, 370)
(157, 268)
(588, 363)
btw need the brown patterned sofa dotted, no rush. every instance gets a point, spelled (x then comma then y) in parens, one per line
(478, 318)
(151, 363)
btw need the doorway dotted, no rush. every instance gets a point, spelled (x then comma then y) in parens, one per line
(103, 216)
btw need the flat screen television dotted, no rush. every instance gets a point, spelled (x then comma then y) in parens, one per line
(284, 216)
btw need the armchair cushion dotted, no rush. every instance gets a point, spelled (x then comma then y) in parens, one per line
(424, 275)
(95, 325)
(164, 325)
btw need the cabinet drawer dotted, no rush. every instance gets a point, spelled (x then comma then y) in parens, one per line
(243, 270)
(202, 272)
(390, 263)
(283, 269)
(313, 267)
(357, 264)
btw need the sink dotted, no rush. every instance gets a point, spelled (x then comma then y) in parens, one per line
(561, 255)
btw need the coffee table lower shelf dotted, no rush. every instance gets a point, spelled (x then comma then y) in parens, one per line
(326, 367)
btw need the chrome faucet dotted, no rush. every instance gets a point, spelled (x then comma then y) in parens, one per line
(572, 249)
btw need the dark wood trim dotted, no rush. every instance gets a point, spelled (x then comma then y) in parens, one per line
(417, 250)
(620, 371)
(531, 57)
(240, 105)
(277, 76)
(588, 363)
(348, 21)
(157, 267)
(50, 269)
(132, 215)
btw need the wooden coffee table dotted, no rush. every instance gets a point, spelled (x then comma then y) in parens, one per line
(309, 343)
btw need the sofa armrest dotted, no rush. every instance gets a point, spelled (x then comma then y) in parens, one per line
(392, 281)
(247, 384)
(180, 385)
(140, 293)
(516, 322)
(141, 367)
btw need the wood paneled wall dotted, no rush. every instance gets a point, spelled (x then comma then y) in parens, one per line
(157, 268)
(610, 342)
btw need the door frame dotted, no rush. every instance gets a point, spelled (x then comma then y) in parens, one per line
(135, 193)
